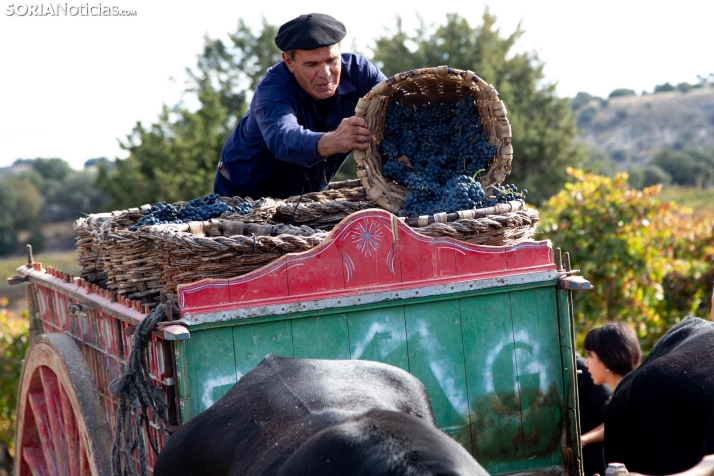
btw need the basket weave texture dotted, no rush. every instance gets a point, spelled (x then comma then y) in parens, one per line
(419, 87)
(140, 264)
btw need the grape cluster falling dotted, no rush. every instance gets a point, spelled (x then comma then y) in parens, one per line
(198, 209)
(438, 152)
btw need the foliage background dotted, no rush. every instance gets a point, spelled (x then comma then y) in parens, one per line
(651, 262)
(13, 343)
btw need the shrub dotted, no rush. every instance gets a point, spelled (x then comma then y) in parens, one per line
(14, 337)
(648, 260)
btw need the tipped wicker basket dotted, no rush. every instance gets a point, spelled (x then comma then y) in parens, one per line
(418, 87)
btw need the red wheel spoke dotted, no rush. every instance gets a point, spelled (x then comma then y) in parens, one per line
(35, 459)
(72, 435)
(39, 409)
(51, 387)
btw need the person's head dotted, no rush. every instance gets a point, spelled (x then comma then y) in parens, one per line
(612, 348)
(311, 51)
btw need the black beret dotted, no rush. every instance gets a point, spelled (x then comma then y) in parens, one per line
(310, 31)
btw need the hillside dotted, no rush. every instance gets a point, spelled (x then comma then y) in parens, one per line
(631, 129)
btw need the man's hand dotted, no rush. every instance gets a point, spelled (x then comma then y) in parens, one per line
(351, 134)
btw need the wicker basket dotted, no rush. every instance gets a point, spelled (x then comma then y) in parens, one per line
(502, 229)
(88, 230)
(139, 265)
(418, 87)
(186, 257)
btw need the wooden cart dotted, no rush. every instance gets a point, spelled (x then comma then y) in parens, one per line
(488, 330)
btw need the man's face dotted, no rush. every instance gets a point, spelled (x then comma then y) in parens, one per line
(317, 71)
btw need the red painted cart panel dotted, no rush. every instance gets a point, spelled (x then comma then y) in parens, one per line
(370, 251)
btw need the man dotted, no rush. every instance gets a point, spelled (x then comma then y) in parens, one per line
(300, 125)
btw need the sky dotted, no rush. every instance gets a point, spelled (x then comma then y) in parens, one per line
(73, 86)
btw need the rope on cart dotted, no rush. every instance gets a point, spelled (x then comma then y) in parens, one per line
(138, 398)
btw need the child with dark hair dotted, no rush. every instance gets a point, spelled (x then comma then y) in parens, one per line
(612, 352)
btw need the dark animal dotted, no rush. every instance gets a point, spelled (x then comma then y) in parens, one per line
(593, 400)
(317, 417)
(661, 417)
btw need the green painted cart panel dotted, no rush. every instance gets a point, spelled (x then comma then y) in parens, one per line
(212, 366)
(494, 363)
(538, 364)
(436, 357)
(379, 335)
(492, 383)
(323, 337)
(253, 342)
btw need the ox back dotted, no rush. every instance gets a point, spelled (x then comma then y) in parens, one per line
(309, 417)
(661, 417)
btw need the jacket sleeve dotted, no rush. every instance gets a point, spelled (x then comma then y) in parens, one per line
(286, 139)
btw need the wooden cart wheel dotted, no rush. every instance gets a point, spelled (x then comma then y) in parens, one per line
(61, 424)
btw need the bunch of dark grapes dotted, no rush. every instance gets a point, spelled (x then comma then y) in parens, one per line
(198, 209)
(244, 208)
(461, 193)
(505, 193)
(436, 150)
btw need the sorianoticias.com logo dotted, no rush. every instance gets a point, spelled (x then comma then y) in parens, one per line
(65, 9)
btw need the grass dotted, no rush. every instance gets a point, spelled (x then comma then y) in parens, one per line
(15, 295)
(698, 199)
(65, 261)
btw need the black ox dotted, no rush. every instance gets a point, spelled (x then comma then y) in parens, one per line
(317, 417)
(661, 418)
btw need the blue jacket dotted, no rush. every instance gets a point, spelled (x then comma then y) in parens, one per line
(273, 150)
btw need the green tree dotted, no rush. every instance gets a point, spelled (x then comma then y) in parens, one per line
(684, 87)
(621, 93)
(20, 210)
(664, 88)
(64, 189)
(48, 175)
(172, 160)
(647, 259)
(544, 129)
(655, 175)
(693, 167)
(96, 162)
(175, 158)
(582, 99)
(8, 202)
(75, 195)
(52, 169)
